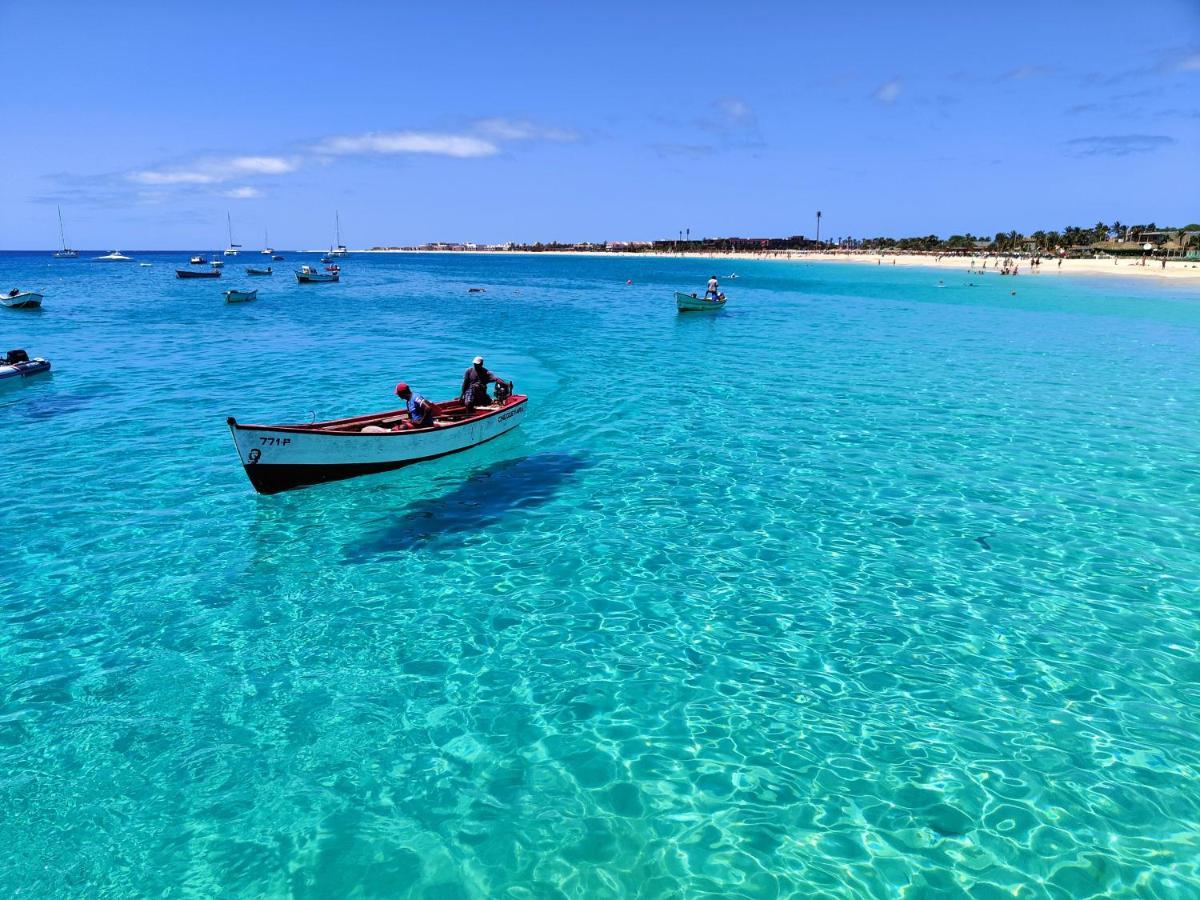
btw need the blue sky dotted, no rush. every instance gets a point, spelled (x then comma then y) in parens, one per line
(539, 121)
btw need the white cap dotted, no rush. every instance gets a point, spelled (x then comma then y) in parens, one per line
(479, 360)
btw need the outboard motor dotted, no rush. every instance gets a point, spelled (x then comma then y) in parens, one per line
(19, 356)
(503, 391)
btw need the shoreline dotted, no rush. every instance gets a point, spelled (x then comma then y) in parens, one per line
(1176, 270)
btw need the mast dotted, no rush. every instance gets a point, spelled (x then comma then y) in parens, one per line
(338, 227)
(62, 235)
(229, 223)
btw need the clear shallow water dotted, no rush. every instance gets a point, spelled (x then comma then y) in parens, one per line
(860, 585)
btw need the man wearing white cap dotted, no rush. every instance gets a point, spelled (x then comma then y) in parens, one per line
(475, 383)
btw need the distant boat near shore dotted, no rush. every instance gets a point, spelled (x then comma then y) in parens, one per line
(66, 252)
(339, 249)
(114, 256)
(233, 249)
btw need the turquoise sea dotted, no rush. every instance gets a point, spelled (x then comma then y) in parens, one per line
(860, 587)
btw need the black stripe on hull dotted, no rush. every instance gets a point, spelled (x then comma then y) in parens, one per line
(274, 479)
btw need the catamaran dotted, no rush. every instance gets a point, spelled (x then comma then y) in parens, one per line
(233, 249)
(66, 252)
(340, 249)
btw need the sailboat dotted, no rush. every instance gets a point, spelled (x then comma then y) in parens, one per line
(266, 250)
(66, 252)
(232, 249)
(340, 249)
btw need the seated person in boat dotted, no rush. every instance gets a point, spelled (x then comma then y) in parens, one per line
(475, 383)
(714, 290)
(420, 410)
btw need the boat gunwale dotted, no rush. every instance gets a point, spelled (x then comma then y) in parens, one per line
(323, 428)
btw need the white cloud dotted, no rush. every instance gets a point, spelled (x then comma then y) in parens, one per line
(1189, 63)
(888, 91)
(521, 130)
(243, 193)
(216, 171)
(735, 109)
(460, 146)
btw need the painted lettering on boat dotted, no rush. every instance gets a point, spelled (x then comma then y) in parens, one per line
(509, 415)
(273, 441)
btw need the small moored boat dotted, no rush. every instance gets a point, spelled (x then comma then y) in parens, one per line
(197, 273)
(233, 296)
(18, 299)
(280, 457)
(250, 270)
(692, 303)
(197, 260)
(313, 275)
(16, 365)
(114, 256)
(66, 252)
(277, 258)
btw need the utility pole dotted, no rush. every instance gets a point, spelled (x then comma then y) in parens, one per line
(818, 226)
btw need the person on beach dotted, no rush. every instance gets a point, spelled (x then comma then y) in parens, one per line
(475, 384)
(420, 410)
(714, 290)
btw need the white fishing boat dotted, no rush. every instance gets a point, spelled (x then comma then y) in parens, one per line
(233, 249)
(313, 275)
(266, 250)
(232, 296)
(280, 457)
(216, 262)
(66, 252)
(18, 299)
(692, 303)
(114, 256)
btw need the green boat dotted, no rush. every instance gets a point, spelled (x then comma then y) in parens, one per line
(692, 303)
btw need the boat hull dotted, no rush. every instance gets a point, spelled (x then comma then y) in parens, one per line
(281, 457)
(688, 303)
(14, 373)
(318, 278)
(194, 273)
(240, 296)
(26, 300)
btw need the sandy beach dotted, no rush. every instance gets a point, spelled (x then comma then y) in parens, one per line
(1175, 270)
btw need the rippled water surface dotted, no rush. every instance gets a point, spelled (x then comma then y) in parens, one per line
(859, 587)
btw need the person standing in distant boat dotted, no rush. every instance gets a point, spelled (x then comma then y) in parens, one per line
(714, 290)
(420, 410)
(475, 384)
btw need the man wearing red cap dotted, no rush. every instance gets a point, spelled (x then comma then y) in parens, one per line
(420, 410)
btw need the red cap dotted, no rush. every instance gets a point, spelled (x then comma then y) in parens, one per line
(402, 388)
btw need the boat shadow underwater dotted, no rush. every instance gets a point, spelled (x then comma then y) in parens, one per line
(481, 502)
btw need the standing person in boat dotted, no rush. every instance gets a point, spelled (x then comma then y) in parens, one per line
(475, 383)
(714, 290)
(420, 410)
